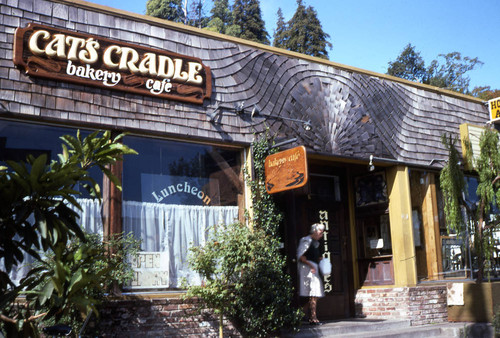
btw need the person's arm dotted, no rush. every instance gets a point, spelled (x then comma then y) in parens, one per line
(304, 260)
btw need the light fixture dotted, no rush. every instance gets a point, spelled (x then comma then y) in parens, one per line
(307, 125)
(3, 108)
(255, 111)
(214, 114)
(239, 108)
(371, 167)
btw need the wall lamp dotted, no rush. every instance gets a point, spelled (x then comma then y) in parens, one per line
(215, 115)
(371, 167)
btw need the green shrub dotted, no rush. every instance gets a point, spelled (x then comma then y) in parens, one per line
(243, 279)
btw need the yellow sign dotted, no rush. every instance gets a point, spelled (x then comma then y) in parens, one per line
(494, 107)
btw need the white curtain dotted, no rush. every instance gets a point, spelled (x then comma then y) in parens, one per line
(173, 229)
(90, 215)
(90, 221)
(169, 229)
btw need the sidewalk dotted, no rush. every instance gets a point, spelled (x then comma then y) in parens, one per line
(368, 328)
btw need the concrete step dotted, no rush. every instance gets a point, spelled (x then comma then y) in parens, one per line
(363, 328)
(348, 326)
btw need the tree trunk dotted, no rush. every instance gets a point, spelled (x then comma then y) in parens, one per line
(479, 250)
(221, 326)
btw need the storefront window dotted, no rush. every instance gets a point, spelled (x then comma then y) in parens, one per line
(18, 140)
(174, 194)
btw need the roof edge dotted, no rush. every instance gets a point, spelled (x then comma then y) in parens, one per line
(275, 50)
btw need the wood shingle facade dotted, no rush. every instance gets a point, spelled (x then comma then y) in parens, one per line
(354, 114)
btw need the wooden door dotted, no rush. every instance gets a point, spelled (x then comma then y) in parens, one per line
(325, 202)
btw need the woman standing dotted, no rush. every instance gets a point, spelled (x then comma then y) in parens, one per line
(308, 256)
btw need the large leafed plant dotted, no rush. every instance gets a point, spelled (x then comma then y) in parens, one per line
(37, 219)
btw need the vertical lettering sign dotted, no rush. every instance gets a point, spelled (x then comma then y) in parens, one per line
(68, 56)
(494, 108)
(286, 170)
(323, 219)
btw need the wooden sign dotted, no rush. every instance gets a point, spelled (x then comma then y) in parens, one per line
(85, 59)
(286, 170)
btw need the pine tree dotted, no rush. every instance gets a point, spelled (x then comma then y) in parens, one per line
(196, 14)
(221, 20)
(303, 33)
(222, 11)
(166, 9)
(317, 37)
(280, 35)
(248, 16)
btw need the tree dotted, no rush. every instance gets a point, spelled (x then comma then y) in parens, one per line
(479, 218)
(280, 34)
(222, 11)
(166, 9)
(37, 219)
(303, 33)
(451, 75)
(485, 93)
(221, 20)
(409, 65)
(195, 16)
(247, 15)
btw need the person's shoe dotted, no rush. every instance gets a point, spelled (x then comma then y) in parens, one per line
(315, 322)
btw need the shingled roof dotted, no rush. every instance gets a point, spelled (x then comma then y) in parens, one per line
(354, 113)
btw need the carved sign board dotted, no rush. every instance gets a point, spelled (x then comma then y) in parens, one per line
(286, 170)
(85, 59)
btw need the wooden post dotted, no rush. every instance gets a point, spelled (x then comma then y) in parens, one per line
(403, 248)
(430, 220)
(112, 203)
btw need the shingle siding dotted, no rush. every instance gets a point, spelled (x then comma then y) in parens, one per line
(352, 113)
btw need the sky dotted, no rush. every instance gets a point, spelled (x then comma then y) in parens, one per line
(368, 34)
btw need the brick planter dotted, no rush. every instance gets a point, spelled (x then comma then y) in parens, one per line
(156, 317)
(420, 305)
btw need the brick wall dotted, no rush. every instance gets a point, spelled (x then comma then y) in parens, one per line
(421, 305)
(165, 317)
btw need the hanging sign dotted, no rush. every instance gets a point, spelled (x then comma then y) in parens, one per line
(286, 170)
(494, 108)
(85, 59)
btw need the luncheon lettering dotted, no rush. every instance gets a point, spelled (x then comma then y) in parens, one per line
(175, 188)
(71, 48)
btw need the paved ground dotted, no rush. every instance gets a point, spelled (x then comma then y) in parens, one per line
(362, 328)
